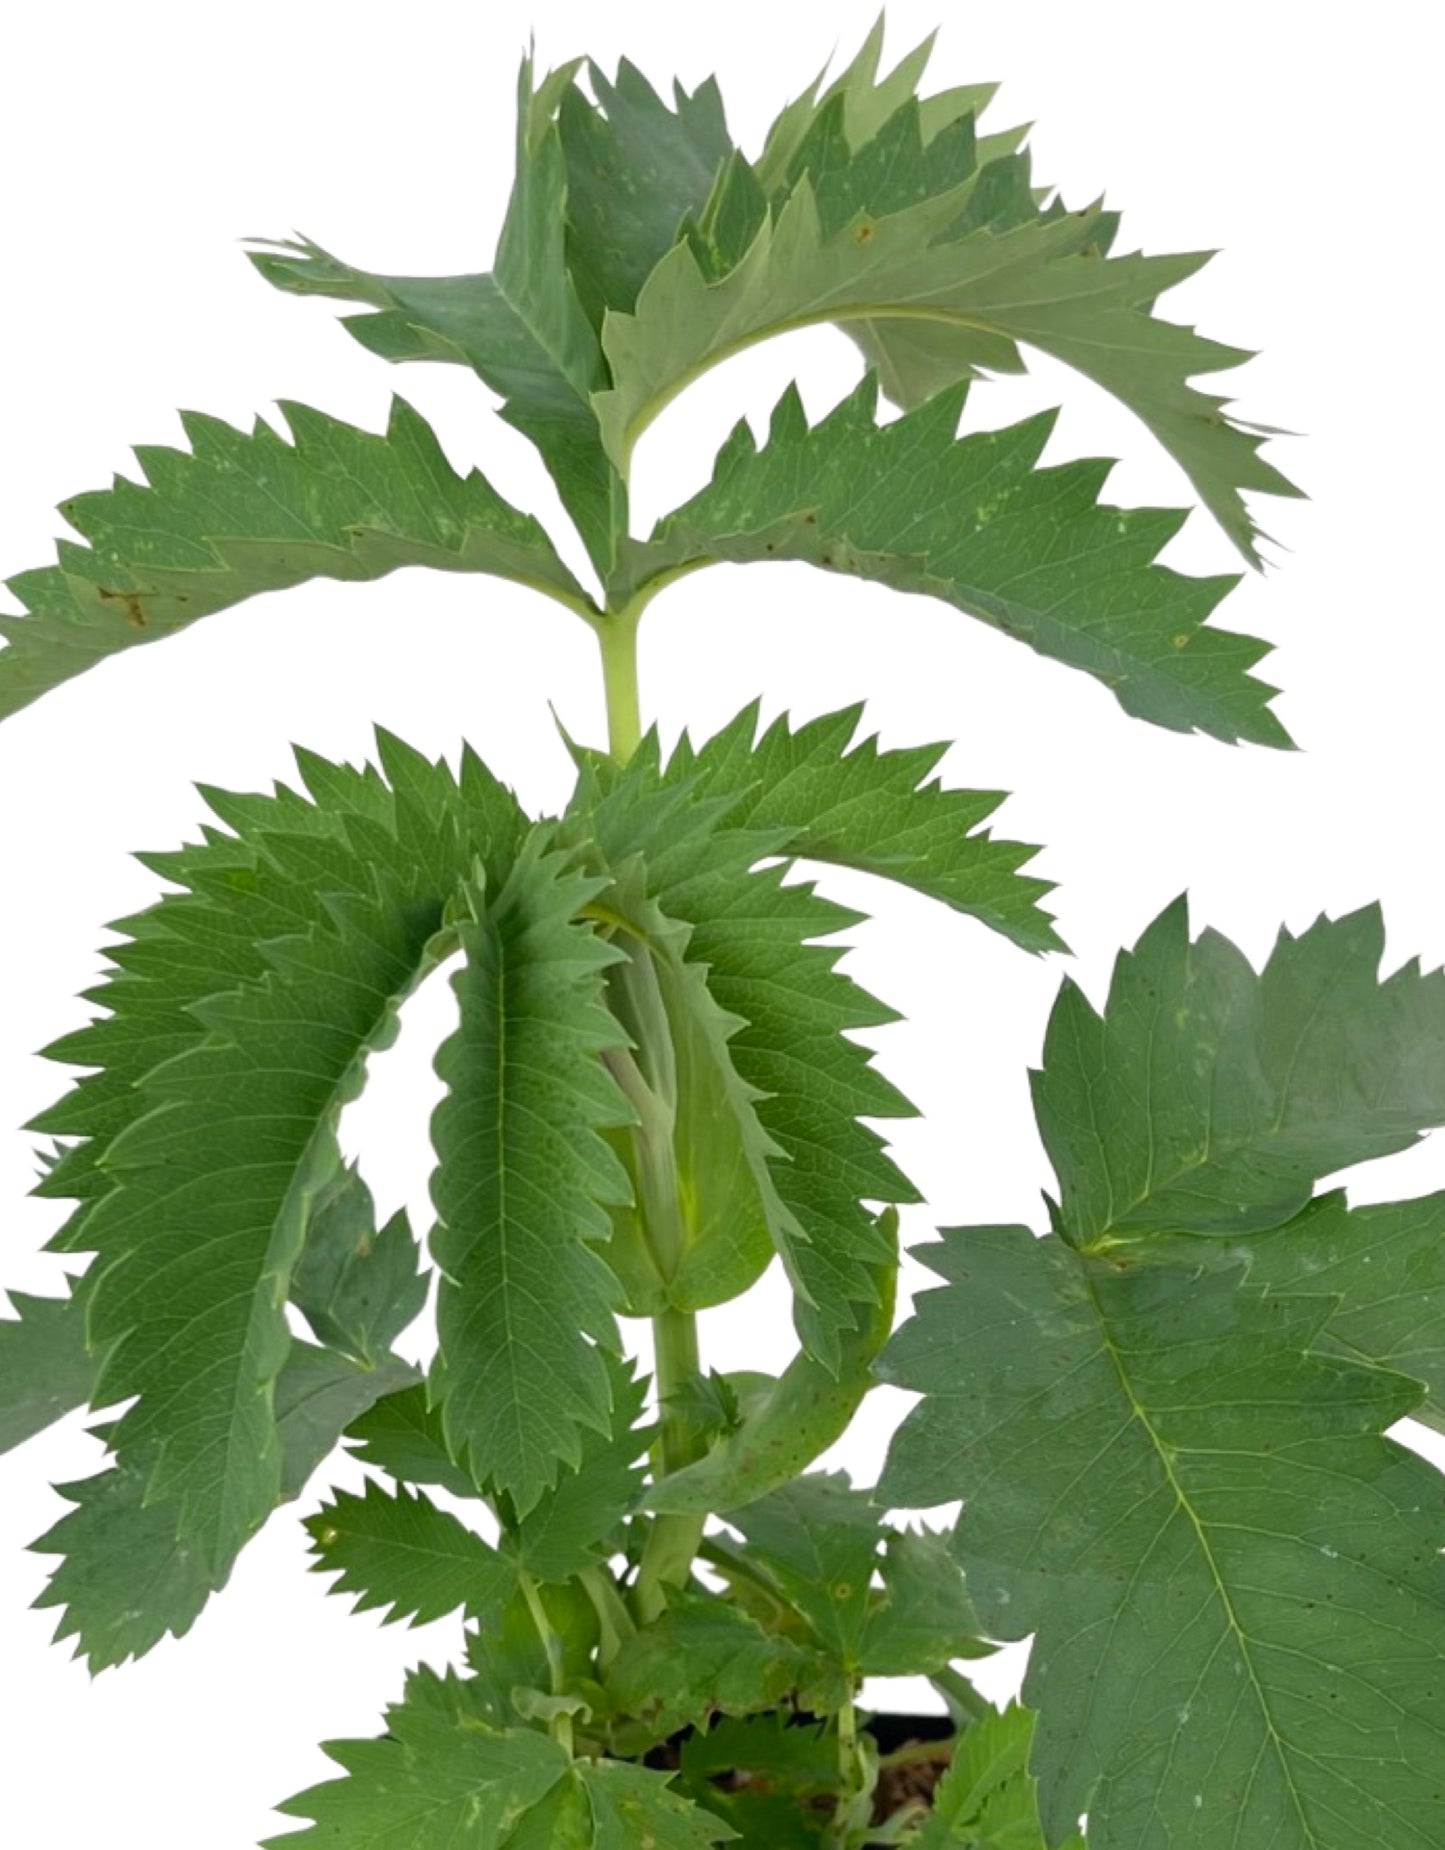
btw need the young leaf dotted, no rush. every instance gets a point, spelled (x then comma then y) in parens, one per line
(128, 1578)
(926, 1618)
(1208, 1099)
(703, 1657)
(1232, 1578)
(909, 235)
(440, 1775)
(358, 1287)
(46, 1370)
(243, 513)
(403, 1554)
(523, 1183)
(521, 328)
(819, 1539)
(976, 522)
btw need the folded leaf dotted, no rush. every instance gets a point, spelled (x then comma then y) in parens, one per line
(524, 1181)
(1208, 1099)
(404, 1555)
(46, 1370)
(241, 513)
(976, 522)
(128, 1579)
(440, 1775)
(1233, 1580)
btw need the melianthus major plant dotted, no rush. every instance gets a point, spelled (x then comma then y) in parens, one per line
(1164, 1417)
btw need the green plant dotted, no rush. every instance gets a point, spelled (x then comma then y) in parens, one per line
(1164, 1417)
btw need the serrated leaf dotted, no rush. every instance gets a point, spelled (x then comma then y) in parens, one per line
(358, 1286)
(926, 1618)
(987, 1800)
(634, 1808)
(242, 1011)
(893, 215)
(976, 522)
(571, 1525)
(1385, 1265)
(767, 1746)
(1233, 1580)
(246, 512)
(46, 1369)
(128, 1580)
(402, 1554)
(704, 1657)
(521, 327)
(440, 1775)
(404, 1436)
(819, 1539)
(1208, 1099)
(524, 1181)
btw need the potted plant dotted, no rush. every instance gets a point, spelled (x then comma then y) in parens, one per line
(1164, 1414)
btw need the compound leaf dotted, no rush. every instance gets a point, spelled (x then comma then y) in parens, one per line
(404, 1555)
(1208, 1099)
(976, 522)
(524, 1181)
(1232, 1578)
(241, 513)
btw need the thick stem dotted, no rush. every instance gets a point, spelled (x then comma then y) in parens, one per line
(617, 638)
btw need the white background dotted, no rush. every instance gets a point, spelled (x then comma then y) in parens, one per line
(141, 141)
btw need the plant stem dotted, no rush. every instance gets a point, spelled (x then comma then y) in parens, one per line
(552, 1645)
(617, 639)
(856, 1779)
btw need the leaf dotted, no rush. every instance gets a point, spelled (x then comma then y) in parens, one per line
(1233, 1580)
(987, 1798)
(521, 328)
(402, 1554)
(879, 812)
(976, 522)
(819, 1539)
(754, 933)
(767, 1747)
(46, 1370)
(507, 1656)
(571, 1525)
(358, 1288)
(703, 1657)
(926, 1618)
(242, 1013)
(1208, 1099)
(1385, 1266)
(636, 1809)
(892, 216)
(440, 1775)
(242, 513)
(523, 1183)
(405, 1437)
(795, 1420)
(128, 1579)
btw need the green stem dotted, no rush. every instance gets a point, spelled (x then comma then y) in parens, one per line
(961, 1696)
(552, 1646)
(617, 639)
(856, 1779)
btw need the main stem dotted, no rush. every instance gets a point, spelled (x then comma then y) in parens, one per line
(672, 1541)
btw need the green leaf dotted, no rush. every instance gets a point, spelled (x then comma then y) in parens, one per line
(358, 1287)
(892, 215)
(523, 1183)
(926, 1618)
(1385, 1266)
(241, 513)
(703, 1657)
(754, 933)
(440, 1775)
(768, 1747)
(635, 171)
(571, 1525)
(987, 1799)
(521, 328)
(636, 1809)
(976, 522)
(402, 1554)
(792, 1422)
(507, 1656)
(242, 1012)
(1208, 1099)
(46, 1370)
(128, 1579)
(1232, 1579)
(404, 1436)
(819, 1539)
